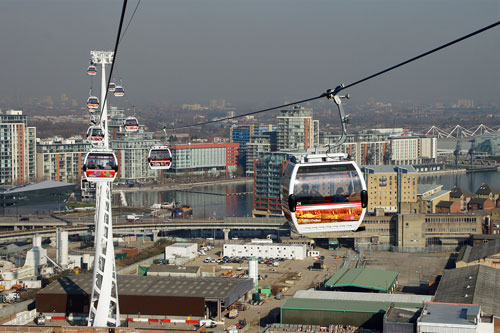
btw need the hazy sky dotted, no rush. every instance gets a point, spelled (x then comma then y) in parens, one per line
(255, 52)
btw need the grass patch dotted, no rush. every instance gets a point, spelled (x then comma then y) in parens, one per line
(156, 249)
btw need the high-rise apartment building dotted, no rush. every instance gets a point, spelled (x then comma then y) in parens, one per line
(297, 130)
(17, 149)
(61, 159)
(268, 169)
(413, 149)
(243, 134)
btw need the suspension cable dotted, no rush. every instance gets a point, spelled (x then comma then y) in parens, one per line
(124, 8)
(339, 88)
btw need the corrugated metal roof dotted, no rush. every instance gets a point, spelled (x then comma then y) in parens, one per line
(368, 278)
(367, 297)
(334, 305)
(472, 253)
(476, 284)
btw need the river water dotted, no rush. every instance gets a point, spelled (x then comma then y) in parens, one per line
(215, 200)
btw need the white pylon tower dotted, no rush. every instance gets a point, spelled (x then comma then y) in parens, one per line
(104, 309)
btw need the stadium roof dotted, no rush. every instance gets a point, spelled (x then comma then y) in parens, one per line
(34, 186)
(365, 297)
(476, 284)
(368, 278)
(472, 253)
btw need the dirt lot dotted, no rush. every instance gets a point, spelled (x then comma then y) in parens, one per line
(412, 267)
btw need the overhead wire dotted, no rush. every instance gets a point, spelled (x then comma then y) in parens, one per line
(124, 9)
(339, 88)
(130, 21)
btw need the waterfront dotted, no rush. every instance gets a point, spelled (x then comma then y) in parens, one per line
(217, 201)
(214, 201)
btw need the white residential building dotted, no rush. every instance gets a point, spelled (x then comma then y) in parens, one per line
(276, 250)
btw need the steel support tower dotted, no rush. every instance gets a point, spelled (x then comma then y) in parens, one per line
(104, 309)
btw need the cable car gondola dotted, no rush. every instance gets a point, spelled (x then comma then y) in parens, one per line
(95, 134)
(111, 87)
(159, 158)
(131, 124)
(100, 166)
(119, 91)
(92, 102)
(323, 193)
(92, 70)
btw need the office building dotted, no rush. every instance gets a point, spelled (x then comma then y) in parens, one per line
(297, 130)
(17, 149)
(204, 159)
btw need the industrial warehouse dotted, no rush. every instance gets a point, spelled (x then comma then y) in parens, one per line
(146, 296)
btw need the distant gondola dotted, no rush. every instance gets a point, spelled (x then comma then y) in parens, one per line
(112, 87)
(119, 91)
(131, 124)
(93, 102)
(159, 158)
(92, 70)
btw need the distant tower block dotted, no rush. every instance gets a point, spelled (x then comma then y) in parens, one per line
(62, 248)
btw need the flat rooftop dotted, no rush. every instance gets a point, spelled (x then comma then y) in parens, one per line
(225, 289)
(448, 313)
(402, 316)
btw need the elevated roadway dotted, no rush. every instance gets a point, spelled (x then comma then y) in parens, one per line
(76, 226)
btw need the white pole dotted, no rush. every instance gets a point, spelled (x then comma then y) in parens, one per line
(104, 109)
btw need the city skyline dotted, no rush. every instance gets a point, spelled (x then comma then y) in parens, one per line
(253, 55)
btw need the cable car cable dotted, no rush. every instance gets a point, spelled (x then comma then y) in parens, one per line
(332, 92)
(130, 21)
(124, 8)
